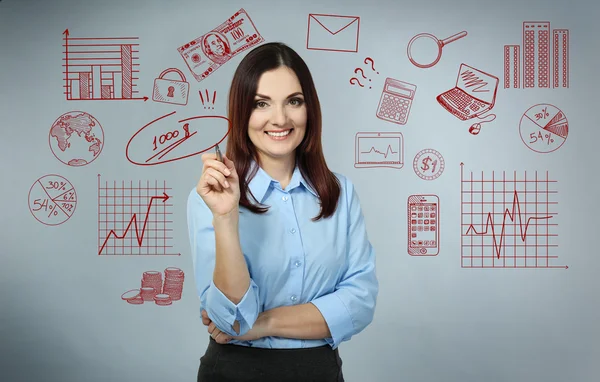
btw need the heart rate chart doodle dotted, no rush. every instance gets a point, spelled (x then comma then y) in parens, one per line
(428, 164)
(544, 128)
(507, 222)
(166, 139)
(154, 289)
(379, 149)
(76, 138)
(207, 53)
(101, 68)
(52, 200)
(134, 220)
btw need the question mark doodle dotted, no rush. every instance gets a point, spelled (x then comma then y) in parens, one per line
(352, 83)
(372, 63)
(361, 72)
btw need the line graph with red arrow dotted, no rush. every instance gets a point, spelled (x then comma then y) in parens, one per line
(101, 68)
(134, 220)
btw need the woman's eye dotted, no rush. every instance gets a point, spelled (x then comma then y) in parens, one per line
(260, 104)
(296, 101)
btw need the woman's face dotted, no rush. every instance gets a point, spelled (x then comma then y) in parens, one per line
(278, 121)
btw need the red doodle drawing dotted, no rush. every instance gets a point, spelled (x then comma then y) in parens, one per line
(163, 141)
(545, 58)
(333, 33)
(423, 213)
(379, 149)
(101, 68)
(154, 289)
(396, 100)
(209, 102)
(76, 138)
(544, 128)
(362, 73)
(429, 164)
(207, 53)
(52, 200)
(506, 223)
(473, 95)
(512, 66)
(171, 91)
(134, 220)
(425, 50)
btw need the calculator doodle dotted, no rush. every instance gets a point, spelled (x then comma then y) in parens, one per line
(423, 225)
(395, 102)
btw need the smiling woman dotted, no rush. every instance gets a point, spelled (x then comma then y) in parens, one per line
(283, 266)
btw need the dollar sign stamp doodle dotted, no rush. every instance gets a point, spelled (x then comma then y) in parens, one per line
(428, 164)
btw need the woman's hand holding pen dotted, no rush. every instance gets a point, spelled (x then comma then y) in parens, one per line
(218, 185)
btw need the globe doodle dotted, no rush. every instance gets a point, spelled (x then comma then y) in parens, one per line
(76, 138)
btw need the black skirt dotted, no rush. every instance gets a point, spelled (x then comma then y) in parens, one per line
(236, 363)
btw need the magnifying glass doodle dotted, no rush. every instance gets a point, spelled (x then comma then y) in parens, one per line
(426, 41)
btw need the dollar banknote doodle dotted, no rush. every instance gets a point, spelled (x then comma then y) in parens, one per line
(207, 53)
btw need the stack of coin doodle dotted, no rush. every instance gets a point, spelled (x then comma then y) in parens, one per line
(173, 285)
(163, 299)
(151, 285)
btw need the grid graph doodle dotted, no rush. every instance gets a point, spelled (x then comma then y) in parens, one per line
(134, 219)
(507, 220)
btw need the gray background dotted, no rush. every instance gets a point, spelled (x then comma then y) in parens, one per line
(62, 318)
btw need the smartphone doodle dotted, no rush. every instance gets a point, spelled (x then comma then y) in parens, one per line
(423, 225)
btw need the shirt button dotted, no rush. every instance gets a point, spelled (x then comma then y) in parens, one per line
(293, 230)
(293, 298)
(284, 198)
(231, 311)
(297, 263)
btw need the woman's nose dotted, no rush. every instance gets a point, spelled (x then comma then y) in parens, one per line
(279, 116)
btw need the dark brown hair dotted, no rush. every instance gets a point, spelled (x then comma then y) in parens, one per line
(309, 154)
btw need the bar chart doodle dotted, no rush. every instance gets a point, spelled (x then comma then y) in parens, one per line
(544, 128)
(134, 219)
(508, 222)
(52, 200)
(101, 68)
(76, 138)
(542, 61)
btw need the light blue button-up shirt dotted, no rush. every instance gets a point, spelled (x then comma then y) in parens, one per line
(291, 260)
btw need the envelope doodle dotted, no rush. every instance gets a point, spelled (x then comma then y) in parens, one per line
(333, 33)
(207, 53)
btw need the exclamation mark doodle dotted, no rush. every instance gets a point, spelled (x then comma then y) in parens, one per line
(208, 99)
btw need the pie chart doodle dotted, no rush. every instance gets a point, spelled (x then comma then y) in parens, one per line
(52, 200)
(544, 128)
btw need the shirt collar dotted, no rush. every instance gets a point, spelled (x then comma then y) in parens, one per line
(259, 185)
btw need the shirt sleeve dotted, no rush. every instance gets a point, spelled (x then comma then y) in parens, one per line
(222, 311)
(351, 307)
